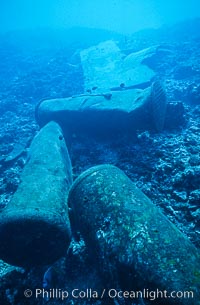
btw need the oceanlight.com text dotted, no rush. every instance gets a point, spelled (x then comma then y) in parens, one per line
(112, 293)
(150, 294)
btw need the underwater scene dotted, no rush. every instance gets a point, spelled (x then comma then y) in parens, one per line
(100, 152)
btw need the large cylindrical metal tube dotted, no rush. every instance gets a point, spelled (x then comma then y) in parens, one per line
(131, 236)
(34, 227)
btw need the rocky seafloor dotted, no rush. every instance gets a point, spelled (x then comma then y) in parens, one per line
(164, 165)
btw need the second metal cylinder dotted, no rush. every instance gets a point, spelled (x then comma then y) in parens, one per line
(130, 236)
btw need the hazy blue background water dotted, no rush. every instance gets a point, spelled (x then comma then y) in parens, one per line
(124, 16)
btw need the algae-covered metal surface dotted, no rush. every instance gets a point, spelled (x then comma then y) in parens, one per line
(34, 227)
(124, 111)
(105, 66)
(130, 236)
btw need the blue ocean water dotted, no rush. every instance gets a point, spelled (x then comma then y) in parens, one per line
(40, 48)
